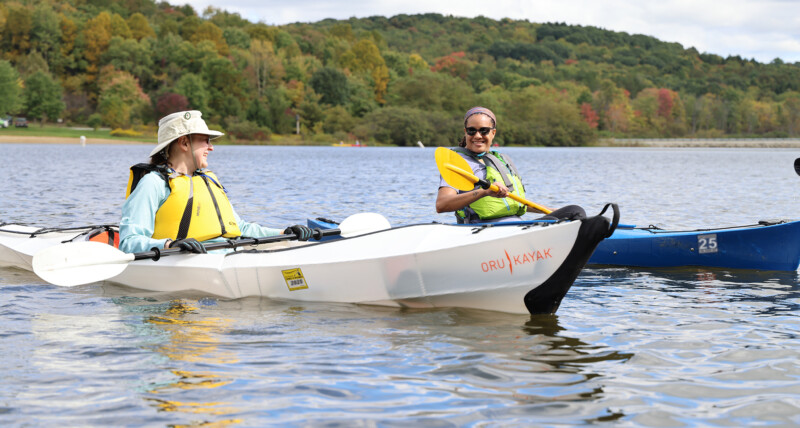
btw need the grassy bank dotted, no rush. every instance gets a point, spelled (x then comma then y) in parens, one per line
(56, 133)
(68, 133)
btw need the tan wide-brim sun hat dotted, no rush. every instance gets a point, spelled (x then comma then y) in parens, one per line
(179, 124)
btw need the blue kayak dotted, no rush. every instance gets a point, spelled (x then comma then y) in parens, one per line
(764, 246)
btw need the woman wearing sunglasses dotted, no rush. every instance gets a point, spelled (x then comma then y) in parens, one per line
(484, 205)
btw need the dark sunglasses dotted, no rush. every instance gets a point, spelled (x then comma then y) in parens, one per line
(472, 131)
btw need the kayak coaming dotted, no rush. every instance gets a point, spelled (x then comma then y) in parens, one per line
(429, 265)
(771, 245)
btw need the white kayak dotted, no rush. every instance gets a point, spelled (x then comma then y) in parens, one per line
(509, 268)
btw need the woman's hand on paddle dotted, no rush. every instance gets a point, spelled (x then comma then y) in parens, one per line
(189, 244)
(448, 199)
(502, 191)
(303, 233)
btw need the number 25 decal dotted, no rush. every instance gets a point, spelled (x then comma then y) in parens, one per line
(707, 243)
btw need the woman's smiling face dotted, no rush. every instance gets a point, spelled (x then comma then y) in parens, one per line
(479, 143)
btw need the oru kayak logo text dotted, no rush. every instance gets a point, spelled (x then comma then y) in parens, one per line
(515, 260)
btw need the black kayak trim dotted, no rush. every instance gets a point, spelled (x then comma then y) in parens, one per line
(547, 297)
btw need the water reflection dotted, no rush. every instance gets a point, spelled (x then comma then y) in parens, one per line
(188, 337)
(564, 352)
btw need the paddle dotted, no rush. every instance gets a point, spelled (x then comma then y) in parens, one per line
(455, 171)
(77, 263)
(797, 166)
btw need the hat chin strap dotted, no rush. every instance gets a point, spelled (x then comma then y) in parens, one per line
(194, 157)
(191, 150)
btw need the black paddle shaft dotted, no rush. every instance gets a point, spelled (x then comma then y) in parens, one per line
(157, 253)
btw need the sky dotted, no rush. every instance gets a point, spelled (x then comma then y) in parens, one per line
(753, 29)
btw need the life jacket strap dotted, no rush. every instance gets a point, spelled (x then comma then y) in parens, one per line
(491, 160)
(214, 200)
(141, 169)
(186, 219)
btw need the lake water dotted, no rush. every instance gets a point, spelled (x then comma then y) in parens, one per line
(628, 347)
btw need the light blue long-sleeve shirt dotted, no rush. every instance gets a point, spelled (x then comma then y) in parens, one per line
(139, 215)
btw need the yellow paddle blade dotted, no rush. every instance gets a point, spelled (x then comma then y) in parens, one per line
(447, 160)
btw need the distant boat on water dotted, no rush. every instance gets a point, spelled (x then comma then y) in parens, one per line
(343, 144)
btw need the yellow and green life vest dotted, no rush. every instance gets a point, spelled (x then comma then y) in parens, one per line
(499, 168)
(197, 207)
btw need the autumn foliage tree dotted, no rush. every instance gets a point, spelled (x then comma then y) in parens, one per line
(553, 84)
(122, 102)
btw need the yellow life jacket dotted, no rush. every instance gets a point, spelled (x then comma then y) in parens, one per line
(197, 207)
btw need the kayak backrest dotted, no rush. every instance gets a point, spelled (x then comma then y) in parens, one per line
(105, 235)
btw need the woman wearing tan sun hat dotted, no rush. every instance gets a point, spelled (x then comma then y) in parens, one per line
(175, 201)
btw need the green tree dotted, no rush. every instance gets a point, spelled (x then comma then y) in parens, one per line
(790, 112)
(331, 84)
(403, 126)
(193, 57)
(338, 119)
(119, 28)
(279, 105)
(3, 16)
(365, 57)
(362, 99)
(258, 113)
(193, 88)
(17, 31)
(416, 63)
(544, 116)
(311, 113)
(46, 32)
(236, 37)
(69, 35)
(31, 63)
(225, 88)
(139, 27)
(10, 91)
(209, 31)
(122, 102)
(97, 35)
(265, 65)
(130, 55)
(426, 90)
(43, 97)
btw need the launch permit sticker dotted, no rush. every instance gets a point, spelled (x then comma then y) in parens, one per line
(294, 279)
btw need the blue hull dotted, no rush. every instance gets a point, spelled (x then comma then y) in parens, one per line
(762, 247)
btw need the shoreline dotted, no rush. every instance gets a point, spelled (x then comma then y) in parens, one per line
(34, 139)
(700, 142)
(605, 142)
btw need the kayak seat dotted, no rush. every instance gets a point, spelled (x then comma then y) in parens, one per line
(105, 235)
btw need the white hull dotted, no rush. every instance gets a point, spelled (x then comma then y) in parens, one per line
(418, 266)
(415, 266)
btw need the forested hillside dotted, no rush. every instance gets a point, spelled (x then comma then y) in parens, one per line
(390, 80)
